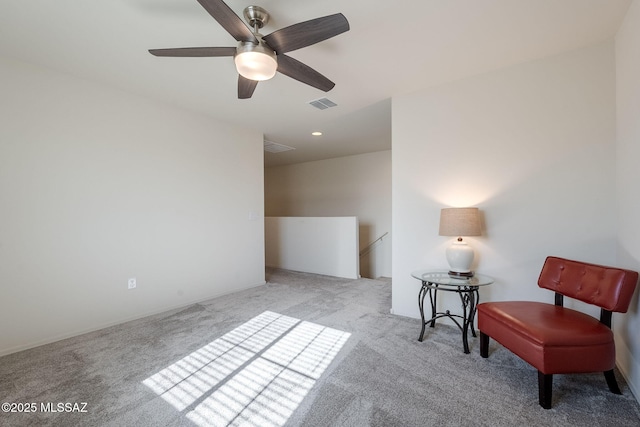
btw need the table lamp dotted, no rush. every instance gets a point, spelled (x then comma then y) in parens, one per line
(459, 222)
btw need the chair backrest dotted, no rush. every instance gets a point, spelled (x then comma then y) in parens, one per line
(609, 288)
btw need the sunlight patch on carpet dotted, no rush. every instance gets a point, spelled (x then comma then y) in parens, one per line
(256, 374)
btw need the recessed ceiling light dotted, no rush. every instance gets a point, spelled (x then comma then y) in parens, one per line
(316, 133)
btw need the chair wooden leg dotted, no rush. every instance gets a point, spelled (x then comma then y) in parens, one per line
(611, 382)
(545, 383)
(484, 345)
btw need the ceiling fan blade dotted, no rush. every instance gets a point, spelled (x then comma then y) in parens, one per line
(303, 73)
(246, 87)
(307, 33)
(194, 51)
(229, 20)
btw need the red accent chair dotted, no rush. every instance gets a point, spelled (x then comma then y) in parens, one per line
(555, 339)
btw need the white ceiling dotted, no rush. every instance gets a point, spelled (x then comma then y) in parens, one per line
(393, 47)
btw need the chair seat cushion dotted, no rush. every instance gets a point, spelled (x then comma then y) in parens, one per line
(553, 339)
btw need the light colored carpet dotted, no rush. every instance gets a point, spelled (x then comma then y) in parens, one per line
(305, 350)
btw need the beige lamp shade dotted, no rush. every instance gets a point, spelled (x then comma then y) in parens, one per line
(459, 222)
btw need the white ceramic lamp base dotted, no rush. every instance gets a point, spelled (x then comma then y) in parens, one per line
(460, 257)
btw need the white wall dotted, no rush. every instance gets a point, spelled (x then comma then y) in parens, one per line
(97, 186)
(533, 146)
(628, 194)
(320, 245)
(348, 186)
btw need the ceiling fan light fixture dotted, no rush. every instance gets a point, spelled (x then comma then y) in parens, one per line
(255, 55)
(255, 62)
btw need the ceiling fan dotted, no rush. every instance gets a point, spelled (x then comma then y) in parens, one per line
(258, 57)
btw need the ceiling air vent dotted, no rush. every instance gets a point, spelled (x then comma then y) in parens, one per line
(322, 103)
(273, 147)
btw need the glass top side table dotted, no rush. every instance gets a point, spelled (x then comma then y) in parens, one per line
(466, 288)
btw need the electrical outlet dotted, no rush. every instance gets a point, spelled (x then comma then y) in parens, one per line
(132, 283)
